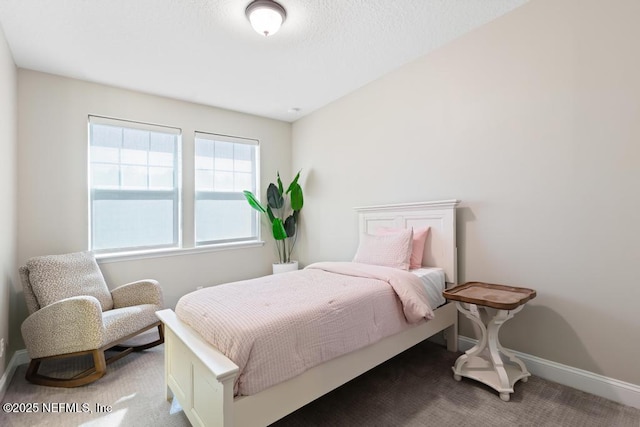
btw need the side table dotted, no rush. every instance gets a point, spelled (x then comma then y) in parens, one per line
(484, 362)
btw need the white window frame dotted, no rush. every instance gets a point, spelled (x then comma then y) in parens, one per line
(96, 194)
(228, 195)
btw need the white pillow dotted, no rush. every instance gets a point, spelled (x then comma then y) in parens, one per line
(390, 250)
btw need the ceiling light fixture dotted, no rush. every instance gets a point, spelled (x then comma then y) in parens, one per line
(266, 16)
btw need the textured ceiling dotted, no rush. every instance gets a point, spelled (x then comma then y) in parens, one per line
(205, 51)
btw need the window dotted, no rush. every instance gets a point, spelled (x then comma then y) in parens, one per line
(224, 167)
(134, 176)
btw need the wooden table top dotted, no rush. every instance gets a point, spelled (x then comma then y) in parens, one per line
(491, 295)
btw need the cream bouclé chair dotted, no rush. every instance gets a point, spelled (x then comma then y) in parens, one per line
(73, 313)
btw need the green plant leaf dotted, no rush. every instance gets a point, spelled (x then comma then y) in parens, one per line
(297, 199)
(279, 233)
(281, 228)
(290, 226)
(274, 197)
(270, 214)
(294, 182)
(279, 184)
(253, 201)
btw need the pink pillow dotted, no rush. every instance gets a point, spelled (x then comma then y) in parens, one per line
(419, 240)
(389, 250)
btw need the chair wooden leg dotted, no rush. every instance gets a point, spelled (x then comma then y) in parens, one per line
(94, 373)
(99, 368)
(90, 375)
(159, 341)
(99, 363)
(146, 346)
(32, 370)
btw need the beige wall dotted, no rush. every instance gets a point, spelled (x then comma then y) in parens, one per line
(533, 122)
(52, 176)
(8, 142)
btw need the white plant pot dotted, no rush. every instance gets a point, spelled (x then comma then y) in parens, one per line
(285, 267)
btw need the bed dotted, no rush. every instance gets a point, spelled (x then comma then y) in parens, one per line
(203, 380)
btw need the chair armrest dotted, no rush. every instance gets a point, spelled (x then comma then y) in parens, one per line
(136, 293)
(67, 326)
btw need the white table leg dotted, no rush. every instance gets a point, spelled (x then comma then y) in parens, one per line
(511, 355)
(490, 368)
(476, 349)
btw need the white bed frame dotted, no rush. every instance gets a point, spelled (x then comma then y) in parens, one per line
(201, 378)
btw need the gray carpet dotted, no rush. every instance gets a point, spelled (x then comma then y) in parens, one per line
(415, 388)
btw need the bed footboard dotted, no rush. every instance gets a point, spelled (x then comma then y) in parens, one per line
(197, 375)
(201, 378)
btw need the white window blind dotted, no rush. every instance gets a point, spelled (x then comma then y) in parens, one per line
(134, 181)
(225, 166)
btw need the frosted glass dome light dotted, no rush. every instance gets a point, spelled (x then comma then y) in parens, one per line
(266, 16)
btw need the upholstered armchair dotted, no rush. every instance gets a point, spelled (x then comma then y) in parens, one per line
(73, 313)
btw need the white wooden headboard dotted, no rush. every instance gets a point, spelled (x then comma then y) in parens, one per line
(440, 250)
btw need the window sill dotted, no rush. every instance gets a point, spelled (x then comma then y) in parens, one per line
(162, 253)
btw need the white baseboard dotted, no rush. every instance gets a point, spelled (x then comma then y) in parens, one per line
(609, 388)
(20, 357)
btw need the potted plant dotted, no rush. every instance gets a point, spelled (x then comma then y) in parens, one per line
(282, 211)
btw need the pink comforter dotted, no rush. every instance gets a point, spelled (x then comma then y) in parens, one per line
(277, 327)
